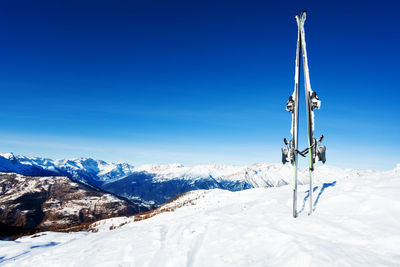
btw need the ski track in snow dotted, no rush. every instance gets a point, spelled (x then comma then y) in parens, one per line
(355, 223)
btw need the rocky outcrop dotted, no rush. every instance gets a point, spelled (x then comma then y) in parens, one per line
(54, 203)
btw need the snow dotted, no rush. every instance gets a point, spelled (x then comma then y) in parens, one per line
(355, 223)
(7, 155)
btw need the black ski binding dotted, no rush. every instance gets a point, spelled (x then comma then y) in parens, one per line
(288, 152)
(290, 104)
(315, 102)
(318, 151)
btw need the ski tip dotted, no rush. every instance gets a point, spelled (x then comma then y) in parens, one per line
(304, 15)
(297, 19)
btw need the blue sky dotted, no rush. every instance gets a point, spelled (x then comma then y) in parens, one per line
(196, 81)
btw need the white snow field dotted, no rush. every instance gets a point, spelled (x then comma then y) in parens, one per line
(355, 223)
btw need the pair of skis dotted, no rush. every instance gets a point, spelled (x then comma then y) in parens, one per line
(316, 152)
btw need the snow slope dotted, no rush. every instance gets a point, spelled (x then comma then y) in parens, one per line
(355, 223)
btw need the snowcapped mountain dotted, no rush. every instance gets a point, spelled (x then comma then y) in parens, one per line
(355, 223)
(86, 170)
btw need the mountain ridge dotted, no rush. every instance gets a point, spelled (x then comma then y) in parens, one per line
(155, 184)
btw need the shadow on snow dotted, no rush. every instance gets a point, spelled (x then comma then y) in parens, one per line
(324, 185)
(50, 244)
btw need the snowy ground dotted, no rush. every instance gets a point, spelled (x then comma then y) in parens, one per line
(355, 223)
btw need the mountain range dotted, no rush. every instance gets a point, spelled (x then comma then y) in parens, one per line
(86, 170)
(153, 185)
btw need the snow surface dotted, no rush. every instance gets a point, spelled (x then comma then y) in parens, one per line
(355, 223)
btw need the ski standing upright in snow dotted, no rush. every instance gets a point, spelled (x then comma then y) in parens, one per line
(316, 152)
(289, 152)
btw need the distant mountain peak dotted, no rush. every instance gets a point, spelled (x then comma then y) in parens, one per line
(84, 169)
(8, 155)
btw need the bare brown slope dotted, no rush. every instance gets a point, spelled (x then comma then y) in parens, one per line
(53, 204)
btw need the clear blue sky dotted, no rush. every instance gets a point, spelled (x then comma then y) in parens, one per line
(196, 81)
